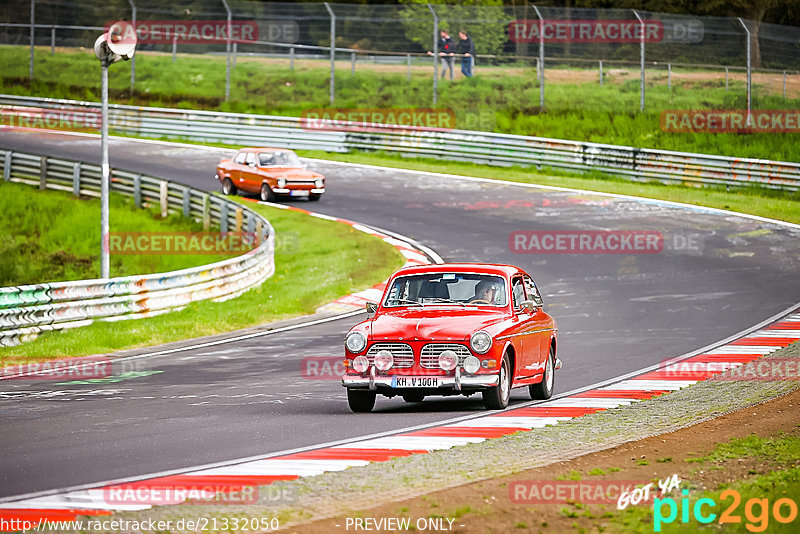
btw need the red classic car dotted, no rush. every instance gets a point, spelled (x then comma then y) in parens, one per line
(452, 329)
(270, 172)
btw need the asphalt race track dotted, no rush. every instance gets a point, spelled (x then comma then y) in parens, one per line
(617, 313)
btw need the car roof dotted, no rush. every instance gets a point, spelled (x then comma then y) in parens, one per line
(264, 149)
(488, 268)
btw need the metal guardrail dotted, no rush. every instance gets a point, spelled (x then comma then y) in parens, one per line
(26, 311)
(641, 164)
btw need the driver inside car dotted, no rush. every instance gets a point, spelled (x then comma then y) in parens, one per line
(485, 291)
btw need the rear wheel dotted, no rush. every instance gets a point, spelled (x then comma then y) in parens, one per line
(544, 389)
(360, 401)
(497, 397)
(227, 187)
(266, 193)
(413, 397)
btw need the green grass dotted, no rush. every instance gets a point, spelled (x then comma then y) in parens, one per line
(781, 450)
(504, 100)
(317, 261)
(48, 236)
(781, 205)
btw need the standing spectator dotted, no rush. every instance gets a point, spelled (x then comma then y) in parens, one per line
(466, 48)
(446, 49)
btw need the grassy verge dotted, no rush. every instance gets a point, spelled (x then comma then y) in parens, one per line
(763, 202)
(316, 261)
(754, 508)
(499, 99)
(48, 236)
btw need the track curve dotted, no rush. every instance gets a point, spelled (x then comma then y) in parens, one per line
(717, 275)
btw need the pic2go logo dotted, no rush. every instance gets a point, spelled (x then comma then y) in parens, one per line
(756, 511)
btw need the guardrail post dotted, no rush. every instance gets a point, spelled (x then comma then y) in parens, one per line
(251, 223)
(238, 225)
(223, 218)
(7, 167)
(137, 190)
(187, 202)
(76, 178)
(43, 173)
(164, 198)
(206, 213)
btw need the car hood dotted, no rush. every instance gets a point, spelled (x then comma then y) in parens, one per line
(438, 323)
(291, 172)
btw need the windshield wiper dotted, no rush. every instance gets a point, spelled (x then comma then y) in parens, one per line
(407, 301)
(451, 301)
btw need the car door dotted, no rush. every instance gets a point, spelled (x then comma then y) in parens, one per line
(518, 332)
(539, 326)
(251, 178)
(235, 168)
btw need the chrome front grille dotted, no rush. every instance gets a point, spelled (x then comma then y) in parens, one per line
(401, 352)
(429, 357)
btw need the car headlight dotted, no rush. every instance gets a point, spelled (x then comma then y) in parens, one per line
(448, 360)
(480, 342)
(319, 183)
(355, 342)
(384, 360)
(360, 364)
(472, 364)
(281, 183)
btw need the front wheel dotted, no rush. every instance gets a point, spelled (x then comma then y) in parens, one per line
(360, 401)
(228, 188)
(266, 193)
(314, 196)
(544, 389)
(497, 397)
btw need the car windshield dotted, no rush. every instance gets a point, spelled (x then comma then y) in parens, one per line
(279, 159)
(452, 289)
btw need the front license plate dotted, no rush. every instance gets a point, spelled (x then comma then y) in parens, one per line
(299, 193)
(415, 381)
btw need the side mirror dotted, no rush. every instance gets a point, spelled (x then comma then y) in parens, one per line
(372, 308)
(531, 305)
(305, 165)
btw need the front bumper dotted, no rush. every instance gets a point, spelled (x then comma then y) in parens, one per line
(287, 191)
(457, 382)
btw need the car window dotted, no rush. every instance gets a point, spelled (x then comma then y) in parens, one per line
(239, 158)
(517, 292)
(531, 290)
(251, 158)
(462, 289)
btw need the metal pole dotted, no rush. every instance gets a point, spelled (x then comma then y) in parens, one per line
(234, 54)
(784, 85)
(601, 73)
(291, 59)
(408, 67)
(641, 84)
(52, 40)
(333, 51)
(228, 52)
(541, 57)
(33, 35)
(749, 116)
(353, 61)
(106, 172)
(133, 59)
(174, 47)
(726, 78)
(669, 76)
(435, 55)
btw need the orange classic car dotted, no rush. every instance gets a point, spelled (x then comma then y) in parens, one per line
(270, 172)
(452, 329)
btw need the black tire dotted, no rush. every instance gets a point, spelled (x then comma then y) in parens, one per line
(313, 197)
(228, 188)
(266, 193)
(544, 389)
(497, 397)
(413, 397)
(360, 401)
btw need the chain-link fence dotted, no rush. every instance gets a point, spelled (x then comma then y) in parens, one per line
(543, 58)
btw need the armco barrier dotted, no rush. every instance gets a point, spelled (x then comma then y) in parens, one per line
(26, 311)
(459, 145)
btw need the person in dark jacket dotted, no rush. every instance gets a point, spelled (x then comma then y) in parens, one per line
(446, 50)
(466, 48)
